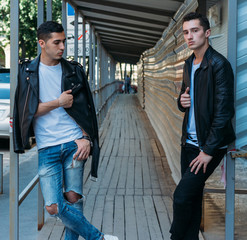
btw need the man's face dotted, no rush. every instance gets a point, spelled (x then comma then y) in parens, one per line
(53, 48)
(194, 35)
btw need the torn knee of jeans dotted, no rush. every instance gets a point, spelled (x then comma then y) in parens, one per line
(52, 209)
(81, 200)
(73, 197)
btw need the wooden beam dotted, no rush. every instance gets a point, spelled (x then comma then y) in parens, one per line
(121, 15)
(126, 32)
(133, 7)
(120, 35)
(143, 31)
(127, 40)
(159, 29)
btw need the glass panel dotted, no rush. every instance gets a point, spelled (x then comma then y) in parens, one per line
(4, 77)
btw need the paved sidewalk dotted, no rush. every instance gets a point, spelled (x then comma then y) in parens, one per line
(28, 209)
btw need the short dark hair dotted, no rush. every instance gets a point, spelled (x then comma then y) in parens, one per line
(45, 29)
(203, 20)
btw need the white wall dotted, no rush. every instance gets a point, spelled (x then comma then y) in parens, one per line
(219, 32)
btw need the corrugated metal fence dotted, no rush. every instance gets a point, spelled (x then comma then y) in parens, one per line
(159, 79)
(241, 86)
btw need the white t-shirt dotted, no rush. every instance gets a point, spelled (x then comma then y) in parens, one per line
(55, 127)
(191, 127)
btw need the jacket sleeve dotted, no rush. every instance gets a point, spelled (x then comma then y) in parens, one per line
(17, 140)
(223, 108)
(91, 102)
(96, 150)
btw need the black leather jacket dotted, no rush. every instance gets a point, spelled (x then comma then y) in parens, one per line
(27, 100)
(214, 101)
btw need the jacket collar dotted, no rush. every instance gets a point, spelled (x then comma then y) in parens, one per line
(34, 64)
(32, 71)
(33, 67)
(67, 70)
(205, 60)
(66, 67)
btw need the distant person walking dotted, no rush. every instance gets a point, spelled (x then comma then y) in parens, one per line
(127, 84)
(53, 100)
(207, 99)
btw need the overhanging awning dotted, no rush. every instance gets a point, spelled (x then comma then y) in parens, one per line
(128, 28)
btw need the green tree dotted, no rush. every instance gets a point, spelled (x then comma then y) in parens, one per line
(27, 24)
(4, 21)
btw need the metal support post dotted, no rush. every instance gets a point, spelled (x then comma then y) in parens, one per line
(1, 173)
(131, 71)
(64, 23)
(14, 158)
(113, 86)
(76, 36)
(109, 68)
(98, 75)
(84, 42)
(125, 70)
(105, 80)
(121, 71)
(48, 10)
(90, 62)
(98, 61)
(40, 19)
(41, 212)
(125, 74)
(93, 71)
(80, 39)
(102, 79)
(143, 83)
(230, 197)
(230, 168)
(114, 75)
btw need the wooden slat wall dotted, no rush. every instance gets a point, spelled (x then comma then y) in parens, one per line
(241, 86)
(159, 82)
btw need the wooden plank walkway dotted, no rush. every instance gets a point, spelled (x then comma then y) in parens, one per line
(132, 198)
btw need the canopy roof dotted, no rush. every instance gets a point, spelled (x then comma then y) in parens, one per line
(127, 28)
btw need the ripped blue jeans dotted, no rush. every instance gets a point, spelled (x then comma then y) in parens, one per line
(57, 175)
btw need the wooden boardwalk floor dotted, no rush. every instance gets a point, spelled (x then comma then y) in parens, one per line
(132, 198)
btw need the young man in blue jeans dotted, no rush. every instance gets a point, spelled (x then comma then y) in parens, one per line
(207, 99)
(53, 100)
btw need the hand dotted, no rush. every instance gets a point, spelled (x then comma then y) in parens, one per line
(202, 159)
(66, 99)
(83, 149)
(185, 98)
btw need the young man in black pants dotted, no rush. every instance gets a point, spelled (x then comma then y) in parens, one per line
(207, 99)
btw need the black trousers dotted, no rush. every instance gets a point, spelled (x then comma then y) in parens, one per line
(187, 198)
